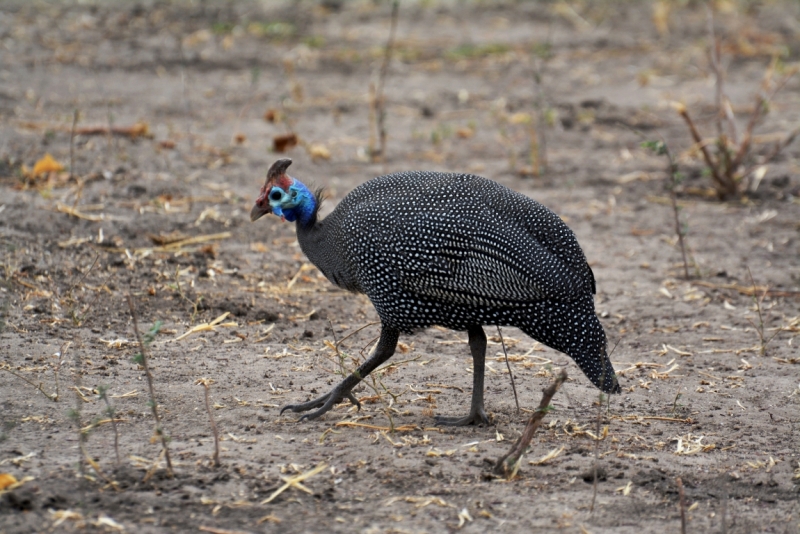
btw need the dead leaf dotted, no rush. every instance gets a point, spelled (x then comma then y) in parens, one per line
(166, 239)
(272, 115)
(319, 152)
(6, 480)
(282, 143)
(465, 133)
(45, 165)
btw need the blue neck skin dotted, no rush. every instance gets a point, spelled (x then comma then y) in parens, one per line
(296, 204)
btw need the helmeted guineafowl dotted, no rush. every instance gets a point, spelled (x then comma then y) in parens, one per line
(455, 250)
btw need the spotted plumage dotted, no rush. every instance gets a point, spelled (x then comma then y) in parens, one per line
(454, 250)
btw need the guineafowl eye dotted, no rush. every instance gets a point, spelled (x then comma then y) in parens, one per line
(275, 195)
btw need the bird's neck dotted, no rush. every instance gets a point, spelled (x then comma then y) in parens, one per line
(318, 243)
(314, 239)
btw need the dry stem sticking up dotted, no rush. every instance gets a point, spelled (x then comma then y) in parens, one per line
(149, 376)
(378, 101)
(508, 464)
(206, 382)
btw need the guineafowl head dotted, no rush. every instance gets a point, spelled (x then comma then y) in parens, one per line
(286, 197)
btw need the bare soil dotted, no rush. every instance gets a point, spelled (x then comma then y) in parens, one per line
(701, 402)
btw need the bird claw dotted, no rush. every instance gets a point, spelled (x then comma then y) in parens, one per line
(324, 403)
(476, 417)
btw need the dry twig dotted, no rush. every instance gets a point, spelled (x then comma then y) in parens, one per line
(508, 464)
(149, 376)
(682, 504)
(760, 326)
(205, 382)
(662, 149)
(52, 396)
(378, 100)
(139, 129)
(103, 391)
(75, 414)
(508, 366)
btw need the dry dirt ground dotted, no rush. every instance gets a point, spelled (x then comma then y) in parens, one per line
(214, 83)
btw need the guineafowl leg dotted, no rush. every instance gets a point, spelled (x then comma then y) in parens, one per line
(477, 415)
(383, 351)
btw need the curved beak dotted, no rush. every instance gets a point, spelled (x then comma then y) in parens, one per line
(259, 210)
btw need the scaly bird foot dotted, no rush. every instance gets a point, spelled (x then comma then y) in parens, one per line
(324, 403)
(476, 417)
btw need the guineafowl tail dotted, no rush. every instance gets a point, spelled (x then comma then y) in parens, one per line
(573, 328)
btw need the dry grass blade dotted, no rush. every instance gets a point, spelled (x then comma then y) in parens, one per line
(295, 482)
(402, 428)
(687, 421)
(175, 246)
(101, 422)
(750, 291)
(214, 530)
(73, 212)
(205, 327)
(547, 457)
(197, 240)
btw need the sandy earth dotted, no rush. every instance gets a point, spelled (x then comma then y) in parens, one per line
(700, 401)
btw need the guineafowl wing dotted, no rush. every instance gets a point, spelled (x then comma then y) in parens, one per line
(477, 259)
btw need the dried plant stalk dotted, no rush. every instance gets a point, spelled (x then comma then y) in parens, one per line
(378, 107)
(149, 376)
(729, 166)
(725, 187)
(206, 382)
(508, 464)
(682, 504)
(508, 366)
